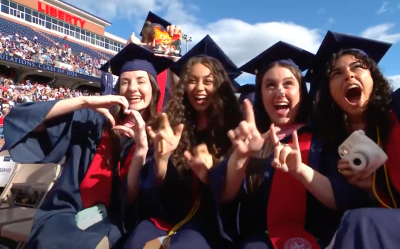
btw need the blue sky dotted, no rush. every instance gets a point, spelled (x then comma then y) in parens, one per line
(245, 28)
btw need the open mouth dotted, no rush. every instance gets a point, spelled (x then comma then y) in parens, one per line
(282, 108)
(134, 99)
(353, 94)
(200, 99)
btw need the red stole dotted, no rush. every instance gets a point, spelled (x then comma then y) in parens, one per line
(97, 184)
(287, 207)
(392, 149)
(162, 80)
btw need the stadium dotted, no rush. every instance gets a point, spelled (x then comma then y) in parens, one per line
(56, 24)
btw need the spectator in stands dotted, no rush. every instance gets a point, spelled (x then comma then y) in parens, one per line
(23, 47)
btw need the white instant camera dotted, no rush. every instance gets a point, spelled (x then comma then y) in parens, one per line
(362, 153)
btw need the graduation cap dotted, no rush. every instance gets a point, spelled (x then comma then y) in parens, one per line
(134, 57)
(335, 42)
(207, 47)
(153, 18)
(247, 92)
(283, 52)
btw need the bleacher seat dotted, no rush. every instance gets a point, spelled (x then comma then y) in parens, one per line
(47, 40)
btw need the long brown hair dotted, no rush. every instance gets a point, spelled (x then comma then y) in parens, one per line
(118, 113)
(223, 113)
(255, 170)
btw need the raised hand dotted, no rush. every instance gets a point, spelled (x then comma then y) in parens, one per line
(135, 130)
(102, 104)
(246, 138)
(165, 139)
(286, 157)
(200, 162)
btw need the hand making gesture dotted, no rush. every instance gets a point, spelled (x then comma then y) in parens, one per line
(135, 130)
(200, 162)
(165, 139)
(246, 138)
(286, 157)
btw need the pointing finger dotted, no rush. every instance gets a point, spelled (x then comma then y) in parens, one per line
(164, 121)
(249, 112)
(150, 132)
(295, 139)
(274, 138)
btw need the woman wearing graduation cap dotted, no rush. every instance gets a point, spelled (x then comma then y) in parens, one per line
(84, 209)
(190, 140)
(273, 148)
(354, 95)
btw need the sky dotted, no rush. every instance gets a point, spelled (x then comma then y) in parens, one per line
(243, 29)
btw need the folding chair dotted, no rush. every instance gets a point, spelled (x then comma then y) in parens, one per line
(21, 229)
(27, 176)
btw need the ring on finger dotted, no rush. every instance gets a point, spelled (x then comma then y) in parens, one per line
(340, 171)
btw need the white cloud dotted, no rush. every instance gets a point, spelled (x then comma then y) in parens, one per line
(383, 8)
(381, 32)
(395, 81)
(240, 40)
(331, 20)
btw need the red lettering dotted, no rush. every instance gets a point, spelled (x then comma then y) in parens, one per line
(40, 7)
(61, 15)
(82, 22)
(68, 18)
(53, 11)
(75, 19)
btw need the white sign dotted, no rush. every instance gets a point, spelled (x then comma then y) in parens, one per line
(7, 167)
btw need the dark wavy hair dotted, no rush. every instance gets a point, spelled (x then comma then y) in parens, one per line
(262, 119)
(330, 119)
(150, 114)
(223, 113)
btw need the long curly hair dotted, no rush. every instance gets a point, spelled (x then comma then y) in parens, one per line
(118, 113)
(330, 119)
(223, 113)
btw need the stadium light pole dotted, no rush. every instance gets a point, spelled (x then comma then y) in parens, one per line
(187, 39)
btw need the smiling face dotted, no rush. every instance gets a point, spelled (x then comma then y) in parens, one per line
(135, 86)
(280, 91)
(200, 87)
(350, 84)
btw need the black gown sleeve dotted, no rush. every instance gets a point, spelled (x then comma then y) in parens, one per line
(50, 146)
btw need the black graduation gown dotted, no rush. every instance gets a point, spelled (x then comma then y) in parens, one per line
(76, 136)
(171, 203)
(249, 209)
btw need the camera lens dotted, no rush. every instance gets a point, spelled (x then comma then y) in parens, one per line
(357, 161)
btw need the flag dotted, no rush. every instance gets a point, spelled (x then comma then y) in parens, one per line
(106, 83)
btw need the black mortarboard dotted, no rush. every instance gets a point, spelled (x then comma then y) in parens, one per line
(134, 57)
(153, 18)
(247, 92)
(207, 47)
(236, 85)
(280, 51)
(335, 42)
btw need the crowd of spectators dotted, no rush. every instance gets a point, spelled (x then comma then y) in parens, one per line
(12, 94)
(30, 49)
